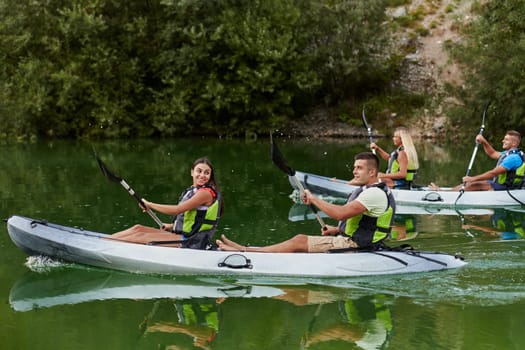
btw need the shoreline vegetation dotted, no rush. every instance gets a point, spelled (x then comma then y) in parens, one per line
(133, 69)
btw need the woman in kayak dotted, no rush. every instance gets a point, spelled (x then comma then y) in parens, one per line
(195, 216)
(402, 162)
(365, 220)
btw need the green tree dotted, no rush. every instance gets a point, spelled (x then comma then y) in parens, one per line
(349, 45)
(230, 66)
(492, 56)
(113, 68)
(71, 68)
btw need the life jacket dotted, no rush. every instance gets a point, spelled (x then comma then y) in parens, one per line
(393, 165)
(368, 231)
(199, 224)
(512, 178)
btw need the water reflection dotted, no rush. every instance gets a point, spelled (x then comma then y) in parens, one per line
(209, 312)
(406, 218)
(503, 224)
(69, 285)
(479, 306)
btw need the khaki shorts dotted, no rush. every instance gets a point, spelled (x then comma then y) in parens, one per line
(321, 244)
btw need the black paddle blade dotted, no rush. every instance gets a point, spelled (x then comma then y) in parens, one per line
(278, 159)
(484, 114)
(363, 117)
(107, 173)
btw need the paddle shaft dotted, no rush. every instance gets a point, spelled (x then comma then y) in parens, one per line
(474, 152)
(141, 202)
(312, 207)
(114, 178)
(476, 146)
(368, 129)
(280, 162)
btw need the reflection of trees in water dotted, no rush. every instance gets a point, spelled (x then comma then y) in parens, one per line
(452, 157)
(64, 176)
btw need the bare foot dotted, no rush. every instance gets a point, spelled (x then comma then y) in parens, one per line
(232, 244)
(434, 187)
(225, 247)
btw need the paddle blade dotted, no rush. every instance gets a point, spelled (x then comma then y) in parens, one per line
(107, 173)
(368, 129)
(278, 159)
(363, 117)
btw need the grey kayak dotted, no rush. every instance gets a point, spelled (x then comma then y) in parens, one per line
(37, 237)
(422, 196)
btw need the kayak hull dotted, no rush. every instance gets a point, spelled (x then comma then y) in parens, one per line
(91, 248)
(336, 190)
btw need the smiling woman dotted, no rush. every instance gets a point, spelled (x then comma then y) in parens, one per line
(195, 216)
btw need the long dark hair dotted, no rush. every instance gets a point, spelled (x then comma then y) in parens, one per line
(212, 182)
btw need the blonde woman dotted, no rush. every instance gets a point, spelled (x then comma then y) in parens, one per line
(402, 162)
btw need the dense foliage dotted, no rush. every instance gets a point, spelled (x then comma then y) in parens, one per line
(492, 56)
(113, 68)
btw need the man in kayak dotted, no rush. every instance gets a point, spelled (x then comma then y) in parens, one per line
(508, 172)
(365, 220)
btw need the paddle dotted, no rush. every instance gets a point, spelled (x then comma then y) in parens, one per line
(462, 219)
(280, 162)
(368, 129)
(115, 178)
(482, 128)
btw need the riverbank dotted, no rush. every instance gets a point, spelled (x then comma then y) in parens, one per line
(324, 124)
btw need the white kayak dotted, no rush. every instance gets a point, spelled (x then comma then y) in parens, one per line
(336, 189)
(37, 237)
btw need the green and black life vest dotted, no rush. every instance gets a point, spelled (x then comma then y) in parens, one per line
(512, 178)
(199, 224)
(368, 231)
(393, 165)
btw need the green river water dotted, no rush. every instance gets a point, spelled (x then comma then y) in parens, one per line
(53, 305)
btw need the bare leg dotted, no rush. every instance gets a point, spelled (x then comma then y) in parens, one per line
(232, 244)
(478, 186)
(295, 244)
(435, 187)
(137, 229)
(227, 248)
(144, 234)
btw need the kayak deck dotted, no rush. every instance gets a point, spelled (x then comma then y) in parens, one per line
(90, 248)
